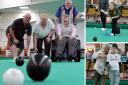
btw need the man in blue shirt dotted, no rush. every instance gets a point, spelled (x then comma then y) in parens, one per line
(68, 9)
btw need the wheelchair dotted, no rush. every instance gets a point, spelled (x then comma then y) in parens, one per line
(77, 53)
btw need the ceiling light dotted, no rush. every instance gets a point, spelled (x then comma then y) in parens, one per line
(26, 11)
(24, 8)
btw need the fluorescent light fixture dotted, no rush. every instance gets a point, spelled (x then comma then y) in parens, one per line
(26, 11)
(24, 7)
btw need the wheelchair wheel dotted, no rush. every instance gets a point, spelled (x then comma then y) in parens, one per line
(78, 52)
(53, 51)
(54, 59)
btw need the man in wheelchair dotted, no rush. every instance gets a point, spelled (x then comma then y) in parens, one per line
(66, 35)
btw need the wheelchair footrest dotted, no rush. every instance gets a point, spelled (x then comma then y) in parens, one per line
(75, 59)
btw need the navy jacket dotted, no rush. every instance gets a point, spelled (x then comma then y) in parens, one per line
(104, 4)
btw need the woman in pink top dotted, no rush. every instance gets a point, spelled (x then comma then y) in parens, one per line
(66, 35)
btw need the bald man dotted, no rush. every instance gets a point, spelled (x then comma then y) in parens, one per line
(68, 9)
(43, 32)
(19, 28)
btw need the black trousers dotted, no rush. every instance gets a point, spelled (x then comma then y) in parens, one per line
(47, 46)
(114, 25)
(20, 44)
(103, 19)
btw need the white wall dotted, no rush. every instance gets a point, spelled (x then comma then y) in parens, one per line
(13, 3)
(16, 3)
(121, 46)
(41, 1)
(80, 32)
(7, 18)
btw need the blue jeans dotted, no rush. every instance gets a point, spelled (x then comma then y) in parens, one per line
(114, 76)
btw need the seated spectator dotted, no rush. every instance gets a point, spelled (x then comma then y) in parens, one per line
(66, 35)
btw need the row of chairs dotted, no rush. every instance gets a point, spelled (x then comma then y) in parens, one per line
(92, 11)
(2, 51)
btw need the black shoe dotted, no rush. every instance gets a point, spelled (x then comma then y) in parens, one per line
(59, 57)
(70, 58)
(77, 59)
(55, 59)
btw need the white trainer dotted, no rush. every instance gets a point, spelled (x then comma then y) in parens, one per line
(103, 29)
(14, 59)
(111, 34)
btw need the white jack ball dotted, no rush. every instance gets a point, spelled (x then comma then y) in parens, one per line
(13, 76)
